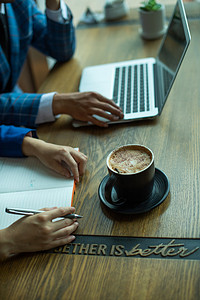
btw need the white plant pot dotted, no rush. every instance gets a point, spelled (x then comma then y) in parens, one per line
(152, 23)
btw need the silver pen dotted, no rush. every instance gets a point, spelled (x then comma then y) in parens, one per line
(31, 212)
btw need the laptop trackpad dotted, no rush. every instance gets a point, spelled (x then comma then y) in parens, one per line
(97, 79)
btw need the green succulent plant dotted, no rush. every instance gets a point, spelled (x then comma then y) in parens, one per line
(150, 5)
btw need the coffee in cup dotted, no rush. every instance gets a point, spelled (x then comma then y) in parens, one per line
(127, 160)
(131, 169)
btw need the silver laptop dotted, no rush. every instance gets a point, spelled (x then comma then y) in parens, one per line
(140, 87)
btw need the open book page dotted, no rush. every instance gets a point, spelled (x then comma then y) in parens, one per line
(32, 200)
(28, 174)
(27, 183)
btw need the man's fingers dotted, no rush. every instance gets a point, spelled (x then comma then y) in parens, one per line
(56, 213)
(73, 165)
(70, 163)
(103, 108)
(97, 122)
(105, 115)
(62, 169)
(60, 242)
(106, 100)
(65, 231)
(67, 167)
(108, 105)
(81, 159)
(48, 208)
(101, 118)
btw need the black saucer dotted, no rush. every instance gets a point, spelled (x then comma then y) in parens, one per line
(158, 195)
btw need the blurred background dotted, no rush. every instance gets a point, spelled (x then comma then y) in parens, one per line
(78, 7)
(37, 66)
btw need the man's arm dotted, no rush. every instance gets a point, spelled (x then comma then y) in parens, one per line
(54, 38)
(19, 109)
(23, 109)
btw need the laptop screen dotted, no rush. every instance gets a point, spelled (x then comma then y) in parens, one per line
(171, 53)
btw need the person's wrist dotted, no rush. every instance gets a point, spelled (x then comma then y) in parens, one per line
(57, 104)
(28, 146)
(31, 146)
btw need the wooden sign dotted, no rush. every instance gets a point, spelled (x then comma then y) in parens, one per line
(135, 247)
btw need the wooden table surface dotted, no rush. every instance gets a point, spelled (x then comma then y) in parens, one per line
(174, 138)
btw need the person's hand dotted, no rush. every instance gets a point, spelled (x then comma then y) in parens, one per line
(53, 4)
(38, 232)
(83, 107)
(62, 159)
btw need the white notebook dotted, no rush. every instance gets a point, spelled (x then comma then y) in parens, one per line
(27, 183)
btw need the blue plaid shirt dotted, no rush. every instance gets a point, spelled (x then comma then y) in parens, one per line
(27, 27)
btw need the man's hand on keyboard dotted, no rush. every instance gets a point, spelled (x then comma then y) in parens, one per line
(84, 106)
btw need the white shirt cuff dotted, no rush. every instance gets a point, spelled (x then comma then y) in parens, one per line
(45, 111)
(60, 15)
(2, 10)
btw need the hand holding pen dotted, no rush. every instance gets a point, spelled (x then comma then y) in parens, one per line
(40, 231)
(31, 212)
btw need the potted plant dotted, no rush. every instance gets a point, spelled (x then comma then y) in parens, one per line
(152, 18)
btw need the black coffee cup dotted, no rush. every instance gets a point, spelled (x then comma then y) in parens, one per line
(132, 185)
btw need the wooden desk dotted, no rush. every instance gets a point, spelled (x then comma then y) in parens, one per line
(175, 140)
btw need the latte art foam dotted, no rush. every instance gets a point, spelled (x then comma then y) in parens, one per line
(127, 160)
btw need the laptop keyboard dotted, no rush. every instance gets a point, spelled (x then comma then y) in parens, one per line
(131, 90)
